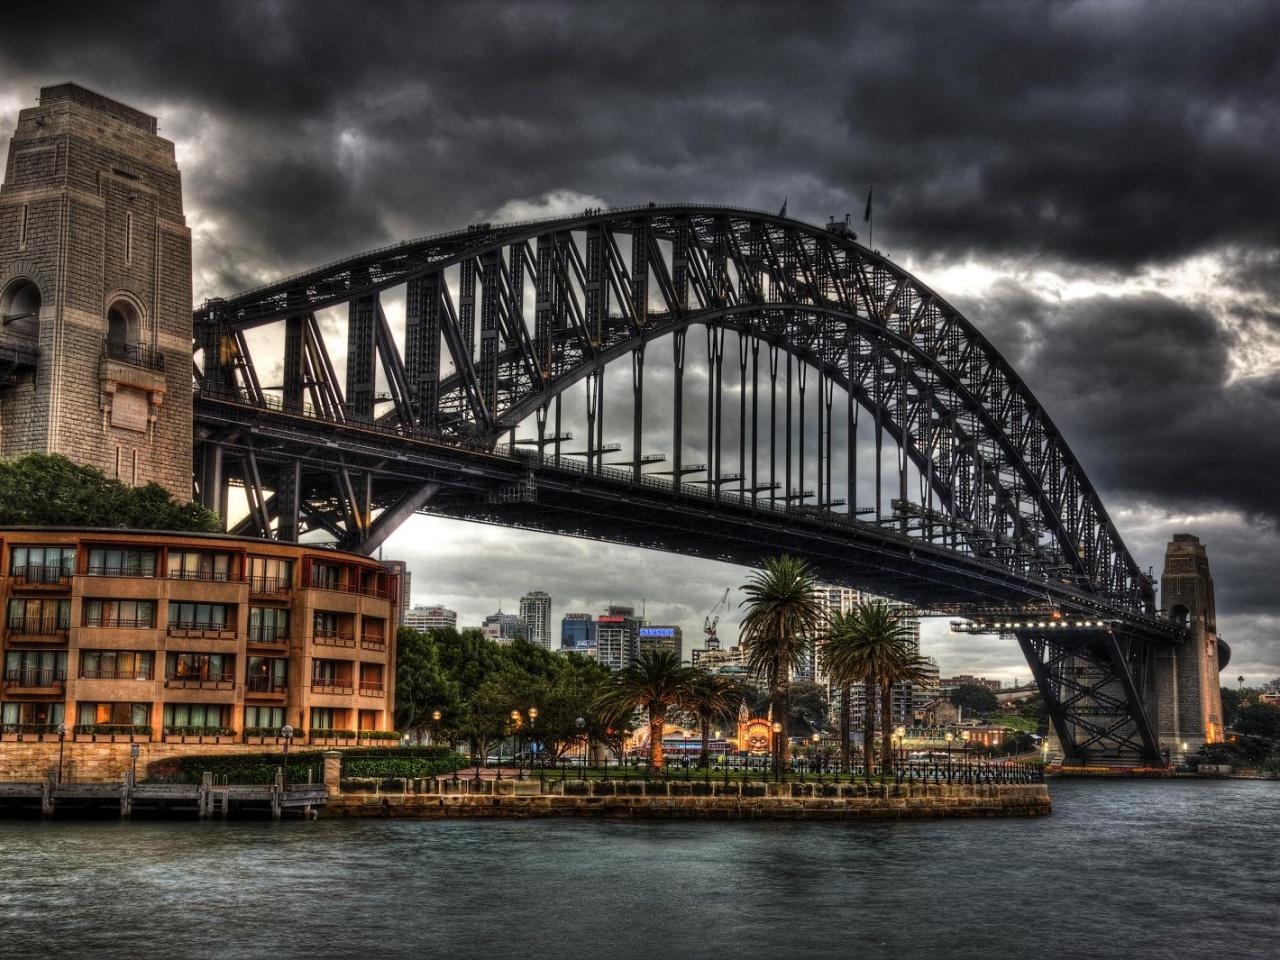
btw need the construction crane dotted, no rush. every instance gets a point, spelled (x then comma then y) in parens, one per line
(712, 619)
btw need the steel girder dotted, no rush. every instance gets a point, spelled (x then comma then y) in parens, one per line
(1001, 481)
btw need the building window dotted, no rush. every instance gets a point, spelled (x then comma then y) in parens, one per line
(45, 715)
(124, 326)
(113, 714)
(325, 576)
(122, 562)
(268, 624)
(322, 718)
(270, 574)
(324, 624)
(116, 664)
(198, 565)
(185, 716)
(35, 668)
(120, 613)
(197, 616)
(266, 720)
(266, 675)
(39, 564)
(200, 667)
(38, 616)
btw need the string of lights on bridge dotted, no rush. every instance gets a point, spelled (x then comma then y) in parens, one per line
(1055, 622)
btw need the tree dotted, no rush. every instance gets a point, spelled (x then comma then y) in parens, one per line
(975, 699)
(654, 683)
(49, 490)
(1258, 720)
(423, 686)
(874, 646)
(843, 665)
(710, 697)
(782, 612)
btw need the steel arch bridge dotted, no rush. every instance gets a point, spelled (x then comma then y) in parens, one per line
(815, 354)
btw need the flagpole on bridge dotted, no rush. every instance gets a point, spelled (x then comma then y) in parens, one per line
(868, 218)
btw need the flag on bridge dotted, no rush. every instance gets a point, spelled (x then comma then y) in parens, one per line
(866, 216)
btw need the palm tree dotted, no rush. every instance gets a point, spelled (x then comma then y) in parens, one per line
(872, 643)
(710, 697)
(782, 613)
(840, 655)
(906, 667)
(654, 683)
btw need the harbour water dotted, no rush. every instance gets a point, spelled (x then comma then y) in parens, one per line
(1124, 869)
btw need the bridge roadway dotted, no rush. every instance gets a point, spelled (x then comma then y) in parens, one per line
(519, 488)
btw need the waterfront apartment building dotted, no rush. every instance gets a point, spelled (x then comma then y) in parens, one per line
(535, 611)
(578, 634)
(431, 618)
(174, 636)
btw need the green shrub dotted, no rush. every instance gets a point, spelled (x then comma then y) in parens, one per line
(248, 768)
(199, 731)
(400, 767)
(379, 735)
(333, 734)
(140, 729)
(262, 731)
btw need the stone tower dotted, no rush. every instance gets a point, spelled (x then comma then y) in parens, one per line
(1188, 699)
(95, 292)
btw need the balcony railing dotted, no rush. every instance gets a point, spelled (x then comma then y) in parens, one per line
(333, 638)
(331, 685)
(268, 633)
(38, 626)
(134, 354)
(121, 623)
(46, 677)
(210, 681)
(215, 630)
(119, 571)
(368, 590)
(111, 673)
(270, 585)
(220, 576)
(370, 642)
(266, 685)
(370, 688)
(35, 575)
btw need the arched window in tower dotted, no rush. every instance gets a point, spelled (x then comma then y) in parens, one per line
(20, 310)
(122, 324)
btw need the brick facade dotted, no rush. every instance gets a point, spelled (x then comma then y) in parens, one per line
(91, 222)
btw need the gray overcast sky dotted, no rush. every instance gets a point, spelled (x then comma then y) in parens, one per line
(1094, 184)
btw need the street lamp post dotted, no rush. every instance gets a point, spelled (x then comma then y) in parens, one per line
(816, 739)
(949, 737)
(287, 732)
(900, 734)
(580, 724)
(515, 722)
(62, 736)
(533, 716)
(435, 726)
(777, 750)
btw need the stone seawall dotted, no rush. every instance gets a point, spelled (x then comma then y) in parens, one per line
(89, 762)
(675, 800)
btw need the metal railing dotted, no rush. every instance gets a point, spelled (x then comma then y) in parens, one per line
(121, 623)
(333, 638)
(369, 642)
(38, 626)
(270, 585)
(202, 626)
(371, 688)
(268, 633)
(333, 686)
(210, 681)
(101, 570)
(52, 575)
(35, 677)
(215, 575)
(134, 354)
(265, 685)
(111, 673)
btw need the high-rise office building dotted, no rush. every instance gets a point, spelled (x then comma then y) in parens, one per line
(400, 570)
(578, 634)
(535, 611)
(617, 637)
(431, 618)
(503, 627)
(654, 637)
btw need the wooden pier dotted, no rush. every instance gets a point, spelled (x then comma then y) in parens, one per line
(203, 800)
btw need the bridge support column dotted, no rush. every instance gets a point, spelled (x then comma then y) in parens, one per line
(1188, 700)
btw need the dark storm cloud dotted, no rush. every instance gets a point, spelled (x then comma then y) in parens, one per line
(1100, 132)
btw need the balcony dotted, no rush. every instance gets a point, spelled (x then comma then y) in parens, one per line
(373, 642)
(270, 586)
(371, 688)
(214, 576)
(37, 630)
(269, 634)
(332, 685)
(110, 673)
(364, 590)
(201, 631)
(108, 571)
(210, 681)
(333, 638)
(40, 578)
(112, 732)
(29, 732)
(39, 680)
(121, 623)
(134, 354)
(266, 686)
